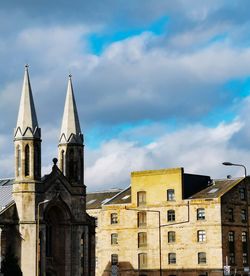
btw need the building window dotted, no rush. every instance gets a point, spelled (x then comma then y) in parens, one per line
(201, 214)
(170, 195)
(171, 215)
(201, 236)
(114, 238)
(18, 160)
(202, 259)
(114, 259)
(142, 239)
(141, 219)
(242, 193)
(114, 218)
(244, 258)
(63, 161)
(171, 236)
(142, 260)
(27, 161)
(171, 258)
(231, 258)
(141, 198)
(243, 215)
(231, 236)
(244, 236)
(230, 214)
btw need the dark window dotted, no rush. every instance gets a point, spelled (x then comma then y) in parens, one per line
(114, 238)
(171, 236)
(142, 239)
(231, 236)
(171, 258)
(142, 260)
(170, 195)
(243, 215)
(141, 198)
(48, 240)
(202, 259)
(114, 259)
(27, 160)
(242, 193)
(231, 258)
(63, 161)
(141, 219)
(201, 236)
(114, 218)
(244, 258)
(171, 215)
(201, 214)
(230, 214)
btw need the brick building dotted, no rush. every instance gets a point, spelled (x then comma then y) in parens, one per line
(172, 223)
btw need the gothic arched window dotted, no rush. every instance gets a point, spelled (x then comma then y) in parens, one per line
(63, 161)
(27, 160)
(18, 158)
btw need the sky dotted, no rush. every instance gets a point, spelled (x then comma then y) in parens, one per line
(158, 84)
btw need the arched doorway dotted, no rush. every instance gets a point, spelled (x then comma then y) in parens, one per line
(57, 223)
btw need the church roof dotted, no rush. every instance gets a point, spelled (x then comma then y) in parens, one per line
(27, 124)
(70, 130)
(5, 192)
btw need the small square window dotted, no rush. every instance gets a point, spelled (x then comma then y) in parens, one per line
(142, 260)
(201, 236)
(172, 258)
(170, 195)
(231, 258)
(244, 258)
(243, 215)
(230, 214)
(242, 192)
(201, 214)
(142, 239)
(142, 219)
(244, 236)
(231, 236)
(114, 238)
(114, 218)
(171, 236)
(141, 198)
(114, 259)
(202, 258)
(171, 215)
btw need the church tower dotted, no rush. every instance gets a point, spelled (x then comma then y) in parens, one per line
(71, 141)
(27, 142)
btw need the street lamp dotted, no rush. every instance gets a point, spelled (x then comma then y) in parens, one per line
(237, 165)
(37, 234)
(246, 189)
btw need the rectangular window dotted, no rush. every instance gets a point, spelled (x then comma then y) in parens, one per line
(231, 258)
(230, 214)
(141, 198)
(243, 215)
(242, 193)
(142, 260)
(244, 258)
(142, 219)
(201, 236)
(142, 239)
(244, 236)
(114, 259)
(171, 236)
(172, 258)
(202, 259)
(171, 215)
(170, 195)
(114, 218)
(201, 214)
(231, 236)
(114, 238)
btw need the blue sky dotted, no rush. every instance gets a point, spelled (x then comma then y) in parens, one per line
(158, 84)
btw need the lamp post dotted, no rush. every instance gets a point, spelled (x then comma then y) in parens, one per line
(236, 165)
(37, 234)
(246, 189)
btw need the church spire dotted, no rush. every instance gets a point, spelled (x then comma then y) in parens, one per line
(27, 125)
(70, 130)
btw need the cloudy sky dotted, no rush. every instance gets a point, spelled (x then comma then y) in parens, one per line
(158, 84)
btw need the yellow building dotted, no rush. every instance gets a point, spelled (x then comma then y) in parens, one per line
(172, 223)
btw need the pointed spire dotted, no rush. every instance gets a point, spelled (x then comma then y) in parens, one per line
(27, 125)
(70, 130)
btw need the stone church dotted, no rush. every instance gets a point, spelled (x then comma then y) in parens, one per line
(43, 219)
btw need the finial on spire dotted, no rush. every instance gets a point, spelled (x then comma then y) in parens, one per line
(70, 75)
(26, 66)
